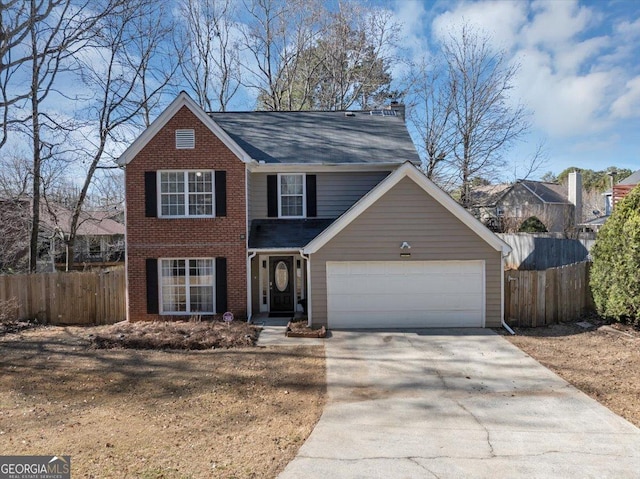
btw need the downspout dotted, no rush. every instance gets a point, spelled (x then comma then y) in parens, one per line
(308, 293)
(249, 302)
(504, 324)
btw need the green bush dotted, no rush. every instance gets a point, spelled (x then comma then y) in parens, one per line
(615, 275)
(532, 225)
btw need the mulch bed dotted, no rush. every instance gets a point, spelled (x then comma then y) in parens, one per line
(299, 329)
(181, 335)
(9, 327)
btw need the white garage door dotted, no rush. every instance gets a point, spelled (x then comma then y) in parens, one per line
(405, 294)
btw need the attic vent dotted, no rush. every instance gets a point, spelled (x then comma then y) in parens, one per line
(349, 113)
(382, 113)
(185, 139)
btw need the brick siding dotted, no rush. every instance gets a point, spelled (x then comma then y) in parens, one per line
(189, 237)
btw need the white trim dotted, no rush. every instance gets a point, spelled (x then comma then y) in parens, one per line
(255, 167)
(186, 193)
(264, 308)
(126, 253)
(307, 295)
(187, 287)
(484, 292)
(182, 100)
(249, 298)
(304, 196)
(410, 171)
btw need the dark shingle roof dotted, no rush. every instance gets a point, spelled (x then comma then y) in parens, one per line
(319, 137)
(279, 233)
(548, 192)
(634, 179)
(488, 195)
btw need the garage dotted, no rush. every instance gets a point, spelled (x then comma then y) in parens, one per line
(405, 294)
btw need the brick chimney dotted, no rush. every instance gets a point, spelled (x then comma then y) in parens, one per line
(575, 195)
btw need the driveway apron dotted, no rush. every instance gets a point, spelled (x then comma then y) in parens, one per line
(456, 404)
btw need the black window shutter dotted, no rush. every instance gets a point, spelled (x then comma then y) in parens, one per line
(150, 194)
(272, 196)
(312, 208)
(152, 286)
(221, 193)
(221, 285)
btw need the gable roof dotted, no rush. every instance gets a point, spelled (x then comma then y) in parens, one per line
(182, 100)
(547, 192)
(633, 179)
(407, 170)
(488, 195)
(319, 137)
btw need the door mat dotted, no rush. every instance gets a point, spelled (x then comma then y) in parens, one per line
(281, 315)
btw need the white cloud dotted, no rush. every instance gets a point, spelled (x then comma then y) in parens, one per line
(555, 22)
(627, 105)
(500, 19)
(563, 105)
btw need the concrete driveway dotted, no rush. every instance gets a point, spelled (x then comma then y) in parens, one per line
(457, 404)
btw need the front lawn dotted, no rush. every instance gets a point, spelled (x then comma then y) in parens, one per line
(224, 413)
(601, 360)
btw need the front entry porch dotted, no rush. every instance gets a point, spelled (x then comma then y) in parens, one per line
(278, 285)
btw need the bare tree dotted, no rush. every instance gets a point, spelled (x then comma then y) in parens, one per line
(485, 122)
(17, 19)
(151, 55)
(430, 112)
(55, 30)
(274, 39)
(210, 63)
(116, 81)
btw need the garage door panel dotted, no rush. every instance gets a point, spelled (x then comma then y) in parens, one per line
(405, 294)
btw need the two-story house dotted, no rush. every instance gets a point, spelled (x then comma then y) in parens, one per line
(279, 212)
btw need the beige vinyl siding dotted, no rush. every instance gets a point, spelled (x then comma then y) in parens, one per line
(336, 192)
(407, 213)
(258, 196)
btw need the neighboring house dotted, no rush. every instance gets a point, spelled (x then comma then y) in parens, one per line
(278, 212)
(99, 238)
(611, 198)
(624, 187)
(505, 207)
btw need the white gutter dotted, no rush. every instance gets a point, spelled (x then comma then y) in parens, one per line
(249, 305)
(308, 293)
(504, 324)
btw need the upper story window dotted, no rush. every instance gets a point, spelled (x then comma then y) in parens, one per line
(186, 193)
(291, 195)
(185, 139)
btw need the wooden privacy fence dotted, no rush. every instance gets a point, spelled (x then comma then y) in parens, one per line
(538, 298)
(74, 298)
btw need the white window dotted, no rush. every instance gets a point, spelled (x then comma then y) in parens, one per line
(291, 196)
(187, 286)
(186, 193)
(185, 139)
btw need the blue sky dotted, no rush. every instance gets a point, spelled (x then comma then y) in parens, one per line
(579, 70)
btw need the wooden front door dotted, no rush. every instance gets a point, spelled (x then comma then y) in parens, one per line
(281, 276)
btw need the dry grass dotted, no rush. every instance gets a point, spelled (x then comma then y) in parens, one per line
(602, 361)
(228, 413)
